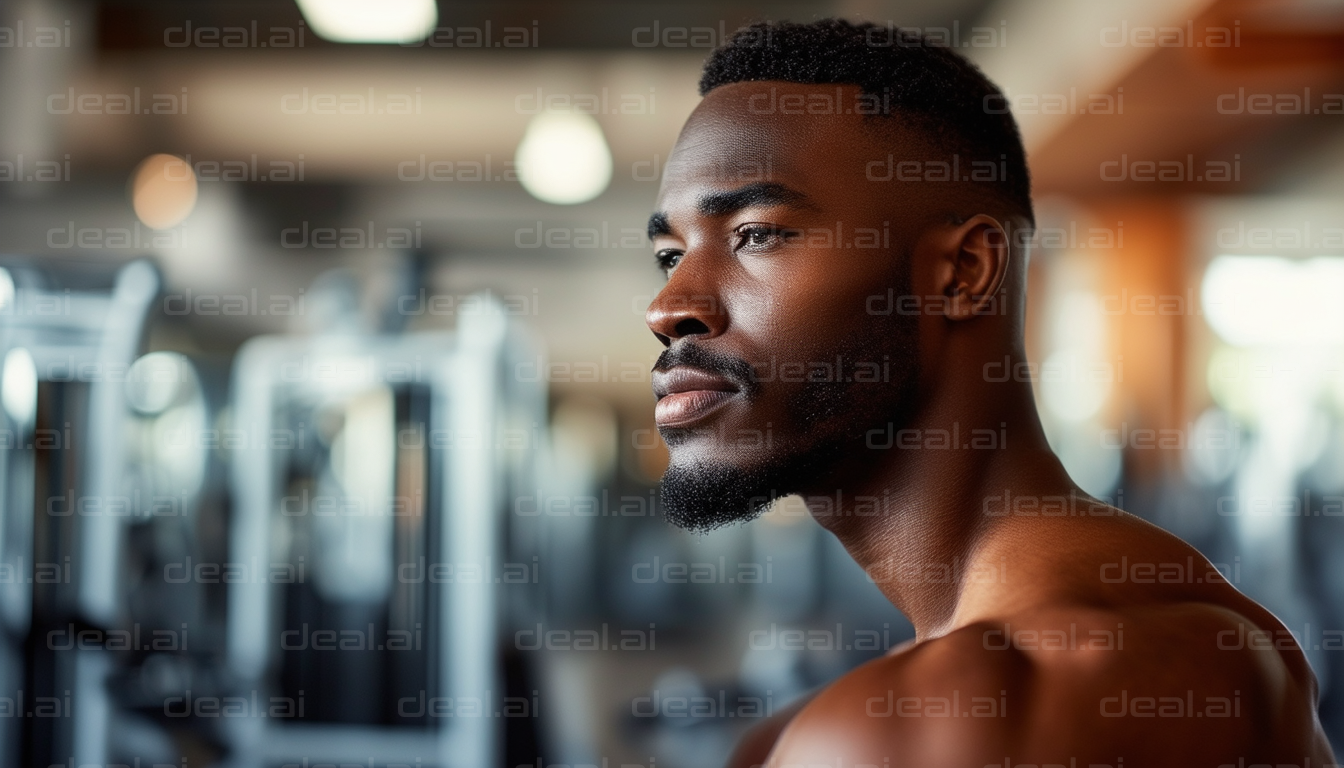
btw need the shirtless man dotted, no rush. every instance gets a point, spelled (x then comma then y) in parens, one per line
(840, 224)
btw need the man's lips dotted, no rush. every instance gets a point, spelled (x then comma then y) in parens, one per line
(688, 394)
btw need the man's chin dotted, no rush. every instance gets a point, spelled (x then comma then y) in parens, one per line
(698, 438)
(703, 496)
(710, 485)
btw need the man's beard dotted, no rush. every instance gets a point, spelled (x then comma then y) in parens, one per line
(827, 418)
(703, 496)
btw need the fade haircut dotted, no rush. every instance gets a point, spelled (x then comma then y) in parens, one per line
(940, 93)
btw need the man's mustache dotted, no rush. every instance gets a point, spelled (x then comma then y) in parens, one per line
(735, 369)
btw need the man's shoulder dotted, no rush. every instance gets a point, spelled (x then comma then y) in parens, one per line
(1070, 682)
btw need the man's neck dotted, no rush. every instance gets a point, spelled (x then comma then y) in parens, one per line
(917, 519)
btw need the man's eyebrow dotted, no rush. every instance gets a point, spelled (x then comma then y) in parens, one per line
(734, 200)
(759, 193)
(658, 225)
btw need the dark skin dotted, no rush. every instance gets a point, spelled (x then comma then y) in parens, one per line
(1033, 651)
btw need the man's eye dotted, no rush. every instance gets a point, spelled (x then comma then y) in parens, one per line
(667, 258)
(759, 236)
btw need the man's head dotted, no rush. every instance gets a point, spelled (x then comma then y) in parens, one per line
(834, 222)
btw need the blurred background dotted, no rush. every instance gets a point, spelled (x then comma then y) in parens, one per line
(327, 434)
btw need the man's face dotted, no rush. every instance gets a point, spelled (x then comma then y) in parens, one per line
(783, 251)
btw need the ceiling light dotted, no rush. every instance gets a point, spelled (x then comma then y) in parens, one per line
(563, 158)
(370, 21)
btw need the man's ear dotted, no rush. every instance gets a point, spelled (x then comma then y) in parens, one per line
(974, 266)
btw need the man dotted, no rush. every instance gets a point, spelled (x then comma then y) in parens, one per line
(841, 224)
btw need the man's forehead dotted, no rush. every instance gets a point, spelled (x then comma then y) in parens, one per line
(734, 139)
(692, 174)
(737, 151)
(737, 123)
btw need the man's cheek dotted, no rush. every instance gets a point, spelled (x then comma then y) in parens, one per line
(825, 312)
(779, 366)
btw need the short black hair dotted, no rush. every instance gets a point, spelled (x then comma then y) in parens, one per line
(942, 93)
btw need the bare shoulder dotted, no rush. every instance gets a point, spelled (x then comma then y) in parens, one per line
(1174, 683)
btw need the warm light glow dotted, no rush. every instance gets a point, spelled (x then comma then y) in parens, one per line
(1272, 301)
(370, 21)
(163, 191)
(563, 158)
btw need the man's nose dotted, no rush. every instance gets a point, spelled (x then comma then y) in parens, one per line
(687, 306)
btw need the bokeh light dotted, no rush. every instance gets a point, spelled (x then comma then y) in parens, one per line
(163, 191)
(563, 158)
